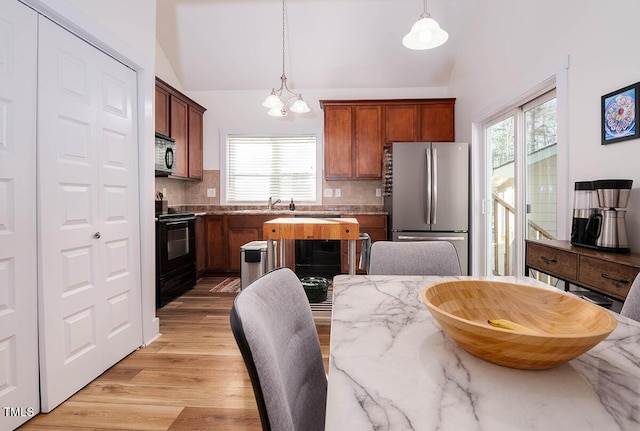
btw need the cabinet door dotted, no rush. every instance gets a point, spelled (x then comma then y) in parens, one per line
(162, 111)
(438, 123)
(179, 113)
(195, 143)
(368, 143)
(401, 123)
(338, 134)
(237, 238)
(216, 244)
(201, 245)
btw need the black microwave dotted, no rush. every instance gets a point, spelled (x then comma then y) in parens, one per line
(165, 155)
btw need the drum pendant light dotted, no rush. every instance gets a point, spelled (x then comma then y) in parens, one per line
(425, 33)
(275, 102)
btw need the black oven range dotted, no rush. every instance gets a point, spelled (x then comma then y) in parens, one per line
(175, 256)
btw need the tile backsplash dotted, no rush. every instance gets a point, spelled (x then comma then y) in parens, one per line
(188, 192)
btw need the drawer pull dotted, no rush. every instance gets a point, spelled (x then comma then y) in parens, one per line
(549, 259)
(617, 280)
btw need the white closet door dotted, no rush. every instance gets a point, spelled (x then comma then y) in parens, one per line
(18, 288)
(89, 278)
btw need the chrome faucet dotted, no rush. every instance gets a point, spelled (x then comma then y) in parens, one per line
(271, 202)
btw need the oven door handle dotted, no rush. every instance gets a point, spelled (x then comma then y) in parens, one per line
(184, 222)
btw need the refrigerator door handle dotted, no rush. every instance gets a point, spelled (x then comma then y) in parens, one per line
(434, 206)
(429, 238)
(427, 197)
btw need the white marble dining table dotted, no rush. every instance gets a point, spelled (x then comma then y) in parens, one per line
(392, 367)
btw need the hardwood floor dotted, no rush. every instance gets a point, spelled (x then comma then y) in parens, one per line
(192, 378)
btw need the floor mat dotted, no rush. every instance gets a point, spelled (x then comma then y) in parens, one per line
(227, 285)
(320, 310)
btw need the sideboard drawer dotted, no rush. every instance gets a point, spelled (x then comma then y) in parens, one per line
(610, 278)
(552, 261)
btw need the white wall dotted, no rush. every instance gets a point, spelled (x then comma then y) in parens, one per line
(164, 69)
(515, 46)
(136, 26)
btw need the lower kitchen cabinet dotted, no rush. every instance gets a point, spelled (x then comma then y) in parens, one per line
(239, 236)
(216, 244)
(227, 233)
(201, 246)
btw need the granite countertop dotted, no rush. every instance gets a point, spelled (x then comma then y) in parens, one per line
(279, 210)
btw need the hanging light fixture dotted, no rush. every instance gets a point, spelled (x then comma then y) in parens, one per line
(276, 100)
(425, 33)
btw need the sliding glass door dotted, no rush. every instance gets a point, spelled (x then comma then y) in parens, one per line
(500, 139)
(541, 161)
(521, 150)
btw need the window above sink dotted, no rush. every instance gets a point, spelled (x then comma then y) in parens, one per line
(283, 166)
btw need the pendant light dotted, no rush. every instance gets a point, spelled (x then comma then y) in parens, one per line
(276, 100)
(425, 33)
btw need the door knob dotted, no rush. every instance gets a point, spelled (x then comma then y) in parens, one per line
(97, 235)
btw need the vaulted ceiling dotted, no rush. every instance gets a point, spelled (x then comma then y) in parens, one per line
(237, 44)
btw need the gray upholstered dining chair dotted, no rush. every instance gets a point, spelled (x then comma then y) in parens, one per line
(273, 326)
(413, 258)
(631, 306)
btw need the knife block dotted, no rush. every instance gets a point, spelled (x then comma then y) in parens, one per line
(162, 207)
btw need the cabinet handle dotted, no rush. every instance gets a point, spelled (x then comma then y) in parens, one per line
(617, 280)
(549, 259)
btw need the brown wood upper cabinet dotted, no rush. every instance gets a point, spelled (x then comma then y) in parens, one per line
(402, 123)
(437, 121)
(352, 141)
(180, 118)
(355, 131)
(162, 111)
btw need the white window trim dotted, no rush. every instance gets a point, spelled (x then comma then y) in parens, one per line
(223, 158)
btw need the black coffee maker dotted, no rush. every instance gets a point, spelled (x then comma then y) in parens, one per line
(584, 226)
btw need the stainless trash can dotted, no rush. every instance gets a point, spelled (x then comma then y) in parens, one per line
(253, 261)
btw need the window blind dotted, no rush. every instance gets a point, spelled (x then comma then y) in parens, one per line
(283, 167)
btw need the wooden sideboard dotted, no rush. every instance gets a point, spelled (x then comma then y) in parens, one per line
(610, 274)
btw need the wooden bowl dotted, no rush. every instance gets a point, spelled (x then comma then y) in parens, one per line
(565, 326)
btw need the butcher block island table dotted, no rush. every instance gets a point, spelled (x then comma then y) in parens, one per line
(344, 229)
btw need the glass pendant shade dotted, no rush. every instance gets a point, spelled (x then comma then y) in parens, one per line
(277, 112)
(272, 101)
(425, 34)
(300, 107)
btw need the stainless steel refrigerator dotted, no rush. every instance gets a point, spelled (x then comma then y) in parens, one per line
(428, 195)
